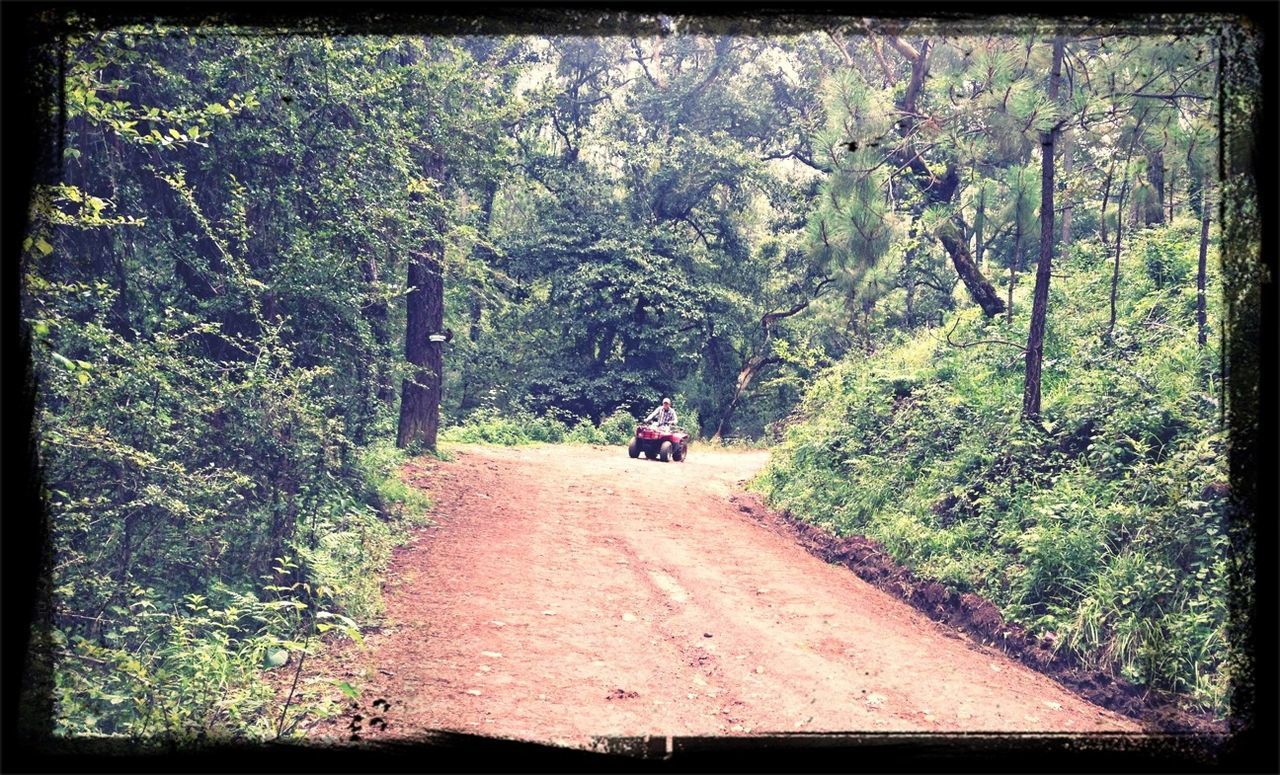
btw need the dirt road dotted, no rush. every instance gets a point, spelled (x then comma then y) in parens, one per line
(569, 592)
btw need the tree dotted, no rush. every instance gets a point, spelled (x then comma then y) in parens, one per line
(1040, 301)
(458, 109)
(424, 322)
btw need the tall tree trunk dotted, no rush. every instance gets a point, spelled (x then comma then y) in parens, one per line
(1115, 272)
(1015, 259)
(911, 287)
(1153, 210)
(909, 270)
(420, 393)
(1200, 273)
(939, 190)
(979, 225)
(1106, 195)
(980, 289)
(1120, 217)
(1040, 301)
(1066, 192)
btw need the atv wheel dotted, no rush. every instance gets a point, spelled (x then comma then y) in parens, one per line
(679, 454)
(664, 451)
(633, 449)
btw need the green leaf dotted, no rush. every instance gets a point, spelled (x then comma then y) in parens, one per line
(348, 689)
(43, 246)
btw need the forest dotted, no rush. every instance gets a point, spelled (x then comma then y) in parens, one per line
(978, 287)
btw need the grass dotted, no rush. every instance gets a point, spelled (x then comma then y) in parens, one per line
(1105, 526)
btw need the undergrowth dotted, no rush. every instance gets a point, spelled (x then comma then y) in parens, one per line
(1106, 525)
(524, 427)
(157, 674)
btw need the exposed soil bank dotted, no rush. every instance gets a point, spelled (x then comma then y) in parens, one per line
(981, 619)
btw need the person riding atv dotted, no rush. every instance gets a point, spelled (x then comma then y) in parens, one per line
(663, 415)
(658, 436)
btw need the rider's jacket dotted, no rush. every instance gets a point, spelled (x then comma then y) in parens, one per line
(664, 415)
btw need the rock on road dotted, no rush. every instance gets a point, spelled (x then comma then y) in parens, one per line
(566, 592)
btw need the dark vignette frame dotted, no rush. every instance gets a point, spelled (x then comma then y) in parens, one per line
(1248, 174)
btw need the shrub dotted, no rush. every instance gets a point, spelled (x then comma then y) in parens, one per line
(523, 427)
(1105, 525)
(619, 427)
(192, 673)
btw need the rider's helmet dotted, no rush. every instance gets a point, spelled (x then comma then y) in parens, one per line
(666, 402)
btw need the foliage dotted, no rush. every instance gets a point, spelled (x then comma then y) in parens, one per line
(190, 674)
(523, 427)
(215, 285)
(1105, 526)
(204, 319)
(643, 238)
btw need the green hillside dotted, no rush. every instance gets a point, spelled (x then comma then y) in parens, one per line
(1105, 526)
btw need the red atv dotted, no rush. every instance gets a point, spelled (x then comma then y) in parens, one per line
(664, 441)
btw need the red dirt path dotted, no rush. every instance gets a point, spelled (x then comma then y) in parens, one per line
(569, 592)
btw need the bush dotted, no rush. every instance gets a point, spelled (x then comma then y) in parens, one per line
(523, 427)
(619, 427)
(1106, 526)
(193, 673)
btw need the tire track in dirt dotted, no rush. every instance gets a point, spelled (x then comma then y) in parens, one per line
(570, 592)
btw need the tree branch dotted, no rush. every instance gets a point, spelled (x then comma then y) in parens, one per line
(879, 52)
(903, 48)
(1169, 97)
(840, 46)
(635, 46)
(966, 345)
(795, 154)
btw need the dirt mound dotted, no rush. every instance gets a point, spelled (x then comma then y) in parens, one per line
(981, 619)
